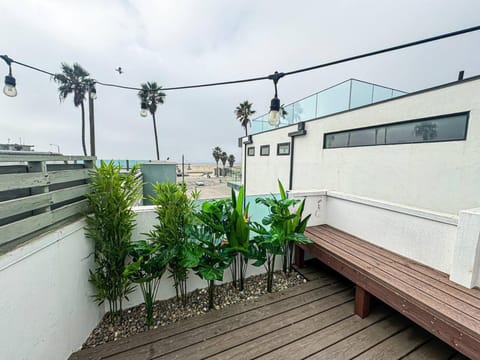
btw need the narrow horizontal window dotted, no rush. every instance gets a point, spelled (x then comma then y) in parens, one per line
(251, 151)
(441, 128)
(283, 149)
(265, 150)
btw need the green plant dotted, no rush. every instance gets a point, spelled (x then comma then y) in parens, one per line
(278, 233)
(210, 256)
(146, 269)
(74, 80)
(243, 112)
(110, 222)
(217, 153)
(150, 96)
(174, 210)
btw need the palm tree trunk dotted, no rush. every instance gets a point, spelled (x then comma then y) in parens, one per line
(83, 129)
(156, 136)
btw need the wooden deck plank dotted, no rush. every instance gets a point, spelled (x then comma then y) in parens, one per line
(434, 349)
(317, 341)
(363, 340)
(328, 310)
(187, 338)
(286, 335)
(424, 273)
(390, 275)
(398, 345)
(197, 322)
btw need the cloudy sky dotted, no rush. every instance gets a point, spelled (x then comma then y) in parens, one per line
(180, 42)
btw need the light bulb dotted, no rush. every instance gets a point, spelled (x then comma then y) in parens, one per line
(274, 118)
(143, 113)
(9, 89)
(274, 115)
(93, 95)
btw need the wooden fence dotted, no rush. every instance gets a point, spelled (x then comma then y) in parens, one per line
(38, 190)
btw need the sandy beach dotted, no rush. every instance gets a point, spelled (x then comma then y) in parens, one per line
(213, 187)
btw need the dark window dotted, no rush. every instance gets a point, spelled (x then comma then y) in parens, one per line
(441, 128)
(265, 150)
(283, 149)
(362, 137)
(251, 151)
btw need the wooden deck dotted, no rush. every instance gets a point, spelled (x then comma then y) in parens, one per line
(314, 320)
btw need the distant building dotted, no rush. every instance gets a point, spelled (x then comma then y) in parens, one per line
(16, 147)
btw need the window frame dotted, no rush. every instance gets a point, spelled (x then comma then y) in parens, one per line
(262, 147)
(252, 152)
(283, 144)
(386, 125)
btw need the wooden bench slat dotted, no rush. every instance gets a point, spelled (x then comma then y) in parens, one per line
(395, 279)
(396, 268)
(454, 327)
(440, 279)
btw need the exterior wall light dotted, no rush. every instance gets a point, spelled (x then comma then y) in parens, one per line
(93, 92)
(143, 109)
(10, 83)
(274, 114)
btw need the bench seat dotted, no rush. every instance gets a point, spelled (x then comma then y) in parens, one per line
(424, 295)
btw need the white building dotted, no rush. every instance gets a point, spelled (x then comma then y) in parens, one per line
(401, 173)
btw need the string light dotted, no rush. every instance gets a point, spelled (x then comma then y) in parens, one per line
(11, 80)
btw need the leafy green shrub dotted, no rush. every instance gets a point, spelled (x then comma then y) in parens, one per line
(146, 269)
(109, 224)
(278, 233)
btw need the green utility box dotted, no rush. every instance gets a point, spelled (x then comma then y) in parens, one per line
(157, 171)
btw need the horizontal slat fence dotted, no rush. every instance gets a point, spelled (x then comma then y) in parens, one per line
(37, 191)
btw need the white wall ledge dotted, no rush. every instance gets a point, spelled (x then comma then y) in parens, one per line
(412, 211)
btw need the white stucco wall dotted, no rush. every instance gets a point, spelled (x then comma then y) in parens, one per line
(440, 176)
(46, 309)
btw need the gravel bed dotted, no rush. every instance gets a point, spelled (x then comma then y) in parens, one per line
(168, 311)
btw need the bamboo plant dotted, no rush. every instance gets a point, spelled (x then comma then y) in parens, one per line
(174, 210)
(110, 223)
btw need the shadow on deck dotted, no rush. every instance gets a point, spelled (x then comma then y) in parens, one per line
(314, 320)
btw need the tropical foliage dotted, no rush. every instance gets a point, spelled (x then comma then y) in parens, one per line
(74, 80)
(150, 96)
(243, 112)
(279, 231)
(146, 269)
(231, 160)
(217, 154)
(110, 224)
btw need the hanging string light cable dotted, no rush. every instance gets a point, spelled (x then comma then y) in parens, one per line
(272, 76)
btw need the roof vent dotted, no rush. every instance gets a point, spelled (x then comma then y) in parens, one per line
(460, 75)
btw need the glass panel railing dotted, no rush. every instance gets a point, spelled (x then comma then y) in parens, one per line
(381, 93)
(333, 100)
(361, 94)
(347, 95)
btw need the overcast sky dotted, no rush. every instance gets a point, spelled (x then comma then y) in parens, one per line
(180, 42)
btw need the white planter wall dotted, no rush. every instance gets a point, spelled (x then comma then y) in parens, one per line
(46, 309)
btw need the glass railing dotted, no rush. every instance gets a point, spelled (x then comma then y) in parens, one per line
(347, 95)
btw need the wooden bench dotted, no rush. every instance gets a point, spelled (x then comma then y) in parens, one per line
(425, 295)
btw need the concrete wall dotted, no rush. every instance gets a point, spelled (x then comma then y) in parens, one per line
(46, 309)
(439, 176)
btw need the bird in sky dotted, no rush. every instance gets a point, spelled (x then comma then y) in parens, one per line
(119, 69)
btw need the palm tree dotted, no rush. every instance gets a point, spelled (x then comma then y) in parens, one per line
(224, 158)
(231, 160)
(74, 80)
(243, 113)
(217, 153)
(151, 96)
